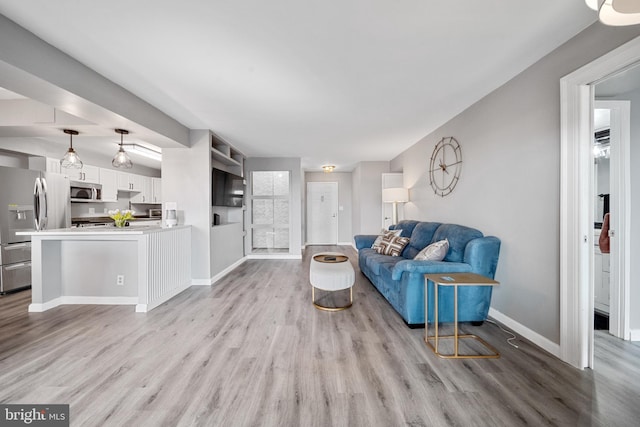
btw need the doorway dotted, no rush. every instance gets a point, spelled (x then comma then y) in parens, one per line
(577, 216)
(611, 190)
(322, 213)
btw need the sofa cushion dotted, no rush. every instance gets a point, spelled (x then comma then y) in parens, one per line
(458, 236)
(406, 226)
(374, 261)
(434, 252)
(392, 245)
(421, 237)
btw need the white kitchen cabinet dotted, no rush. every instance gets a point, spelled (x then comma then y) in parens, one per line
(145, 195)
(53, 165)
(124, 181)
(137, 182)
(156, 190)
(88, 173)
(109, 182)
(129, 181)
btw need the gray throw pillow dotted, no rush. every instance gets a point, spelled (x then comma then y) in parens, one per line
(434, 252)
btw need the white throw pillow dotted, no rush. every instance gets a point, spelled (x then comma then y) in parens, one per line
(434, 252)
(384, 233)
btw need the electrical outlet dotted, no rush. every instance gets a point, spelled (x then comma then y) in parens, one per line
(120, 280)
(92, 211)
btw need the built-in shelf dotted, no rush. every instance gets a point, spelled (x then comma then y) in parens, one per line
(223, 158)
(226, 154)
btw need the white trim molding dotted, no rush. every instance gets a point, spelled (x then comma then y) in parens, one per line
(80, 300)
(273, 256)
(525, 332)
(576, 213)
(634, 334)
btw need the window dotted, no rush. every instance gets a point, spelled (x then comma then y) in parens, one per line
(270, 211)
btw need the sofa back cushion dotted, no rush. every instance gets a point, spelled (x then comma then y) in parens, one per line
(421, 237)
(406, 225)
(458, 236)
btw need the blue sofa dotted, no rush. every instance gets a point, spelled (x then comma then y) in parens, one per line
(400, 279)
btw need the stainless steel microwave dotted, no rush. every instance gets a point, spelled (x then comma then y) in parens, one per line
(85, 192)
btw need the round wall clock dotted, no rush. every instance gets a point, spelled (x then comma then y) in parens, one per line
(445, 166)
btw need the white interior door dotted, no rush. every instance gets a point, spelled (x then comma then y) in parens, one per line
(322, 213)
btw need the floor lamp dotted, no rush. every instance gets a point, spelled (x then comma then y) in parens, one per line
(395, 196)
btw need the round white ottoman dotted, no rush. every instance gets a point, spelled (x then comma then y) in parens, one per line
(331, 271)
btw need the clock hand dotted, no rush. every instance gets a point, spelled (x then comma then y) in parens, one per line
(444, 168)
(459, 161)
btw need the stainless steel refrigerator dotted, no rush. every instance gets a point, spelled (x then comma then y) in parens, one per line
(29, 200)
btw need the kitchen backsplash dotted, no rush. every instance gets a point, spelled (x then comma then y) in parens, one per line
(86, 210)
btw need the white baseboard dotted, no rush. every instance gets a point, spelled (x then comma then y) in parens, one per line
(75, 300)
(39, 308)
(345, 244)
(201, 282)
(634, 334)
(227, 270)
(99, 300)
(527, 333)
(273, 256)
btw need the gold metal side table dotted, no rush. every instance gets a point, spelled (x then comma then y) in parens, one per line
(455, 280)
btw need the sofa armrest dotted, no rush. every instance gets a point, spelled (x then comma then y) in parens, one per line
(482, 254)
(364, 240)
(426, 267)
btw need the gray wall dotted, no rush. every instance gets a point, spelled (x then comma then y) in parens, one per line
(510, 181)
(186, 180)
(293, 165)
(367, 200)
(345, 195)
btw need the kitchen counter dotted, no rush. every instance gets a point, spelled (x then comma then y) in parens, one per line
(142, 266)
(104, 231)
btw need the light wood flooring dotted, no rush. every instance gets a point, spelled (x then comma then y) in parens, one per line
(253, 351)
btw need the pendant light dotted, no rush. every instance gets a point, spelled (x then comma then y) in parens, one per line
(121, 159)
(71, 159)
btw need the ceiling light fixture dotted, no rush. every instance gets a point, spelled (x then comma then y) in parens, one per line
(147, 152)
(616, 12)
(328, 168)
(71, 159)
(121, 159)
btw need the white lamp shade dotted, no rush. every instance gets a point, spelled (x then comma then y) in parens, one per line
(398, 195)
(616, 12)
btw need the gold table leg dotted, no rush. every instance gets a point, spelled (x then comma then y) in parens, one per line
(324, 308)
(456, 335)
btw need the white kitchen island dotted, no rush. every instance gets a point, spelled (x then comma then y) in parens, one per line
(141, 266)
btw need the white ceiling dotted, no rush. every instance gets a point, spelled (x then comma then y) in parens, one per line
(329, 81)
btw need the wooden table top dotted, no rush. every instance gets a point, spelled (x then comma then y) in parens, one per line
(460, 279)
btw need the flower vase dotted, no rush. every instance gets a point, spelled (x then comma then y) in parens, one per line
(120, 222)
